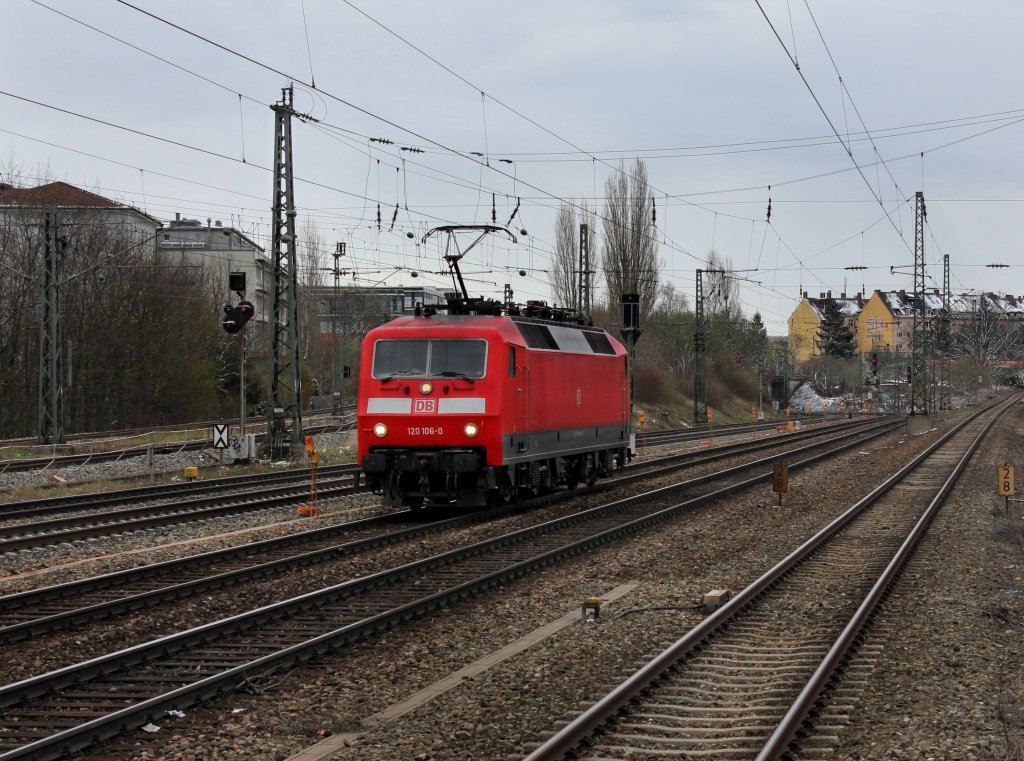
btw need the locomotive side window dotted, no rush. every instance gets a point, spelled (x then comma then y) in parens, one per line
(437, 358)
(457, 358)
(408, 358)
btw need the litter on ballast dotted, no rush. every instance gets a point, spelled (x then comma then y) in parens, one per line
(150, 728)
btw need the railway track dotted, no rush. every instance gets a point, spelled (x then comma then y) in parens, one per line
(63, 461)
(75, 528)
(31, 441)
(745, 682)
(66, 503)
(34, 529)
(70, 708)
(34, 612)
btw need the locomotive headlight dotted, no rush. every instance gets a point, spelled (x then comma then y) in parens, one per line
(471, 429)
(426, 388)
(380, 430)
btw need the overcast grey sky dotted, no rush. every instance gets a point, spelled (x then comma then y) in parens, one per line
(705, 92)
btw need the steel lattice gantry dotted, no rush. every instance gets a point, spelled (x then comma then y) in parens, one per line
(919, 343)
(51, 370)
(945, 397)
(285, 398)
(584, 272)
(700, 377)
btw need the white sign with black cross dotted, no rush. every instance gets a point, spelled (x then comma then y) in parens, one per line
(220, 435)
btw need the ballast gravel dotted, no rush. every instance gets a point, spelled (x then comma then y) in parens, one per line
(948, 688)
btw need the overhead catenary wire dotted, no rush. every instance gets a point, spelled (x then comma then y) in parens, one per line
(828, 119)
(364, 201)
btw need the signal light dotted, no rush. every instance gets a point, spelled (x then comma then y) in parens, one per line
(874, 364)
(908, 373)
(235, 317)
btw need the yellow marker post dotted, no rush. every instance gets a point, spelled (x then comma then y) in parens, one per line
(312, 507)
(1005, 482)
(780, 479)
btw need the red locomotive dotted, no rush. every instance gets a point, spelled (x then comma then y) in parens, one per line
(488, 403)
(476, 409)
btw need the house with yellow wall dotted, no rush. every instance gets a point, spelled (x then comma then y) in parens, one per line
(805, 322)
(886, 324)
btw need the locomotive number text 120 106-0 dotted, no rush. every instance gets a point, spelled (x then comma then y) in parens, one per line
(428, 431)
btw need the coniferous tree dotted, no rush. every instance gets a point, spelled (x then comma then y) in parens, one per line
(835, 337)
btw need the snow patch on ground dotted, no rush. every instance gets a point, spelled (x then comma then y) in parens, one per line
(805, 398)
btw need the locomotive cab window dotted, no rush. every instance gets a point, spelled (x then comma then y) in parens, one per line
(432, 358)
(405, 358)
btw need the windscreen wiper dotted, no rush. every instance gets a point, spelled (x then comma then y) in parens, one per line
(399, 374)
(454, 374)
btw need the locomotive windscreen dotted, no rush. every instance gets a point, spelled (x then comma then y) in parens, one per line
(433, 358)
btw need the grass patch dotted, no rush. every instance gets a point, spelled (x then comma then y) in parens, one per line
(1009, 529)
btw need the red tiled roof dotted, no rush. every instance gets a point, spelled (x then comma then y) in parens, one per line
(58, 194)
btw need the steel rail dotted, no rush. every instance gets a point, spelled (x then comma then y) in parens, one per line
(45, 505)
(576, 732)
(405, 580)
(787, 729)
(146, 575)
(14, 537)
(138, 519)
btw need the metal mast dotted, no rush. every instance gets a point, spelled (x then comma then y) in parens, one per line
(700, 378)
(585, 271)
(919, 343)
(51, 371)
(945, 396)
(337, 382)
(285, 401)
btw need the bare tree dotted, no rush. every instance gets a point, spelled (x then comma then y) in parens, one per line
(139, 329)
(721, 289)
(565, 280)
(981, 336)
(314, 307)
(630, 251)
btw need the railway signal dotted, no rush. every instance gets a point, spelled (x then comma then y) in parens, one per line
(908, 373)
(874, 364)
(236, 316)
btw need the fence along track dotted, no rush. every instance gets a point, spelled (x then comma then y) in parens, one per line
(741, 683)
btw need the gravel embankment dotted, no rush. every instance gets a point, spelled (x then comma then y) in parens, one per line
(937, 704)
(951, 684)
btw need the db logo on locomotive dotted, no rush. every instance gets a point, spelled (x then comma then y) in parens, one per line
(424, 407)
